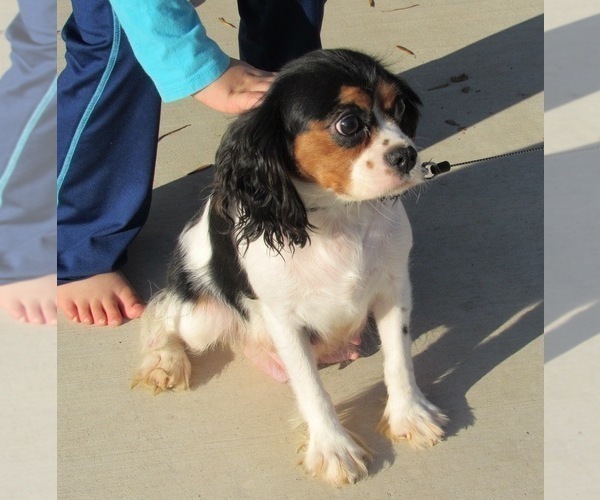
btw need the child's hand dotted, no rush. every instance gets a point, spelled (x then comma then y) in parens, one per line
(241, 87)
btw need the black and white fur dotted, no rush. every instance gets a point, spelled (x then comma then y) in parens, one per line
(300, 242)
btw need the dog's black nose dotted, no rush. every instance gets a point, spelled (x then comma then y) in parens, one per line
(402, 158)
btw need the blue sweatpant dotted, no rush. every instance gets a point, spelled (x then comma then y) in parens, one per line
(28, 145)
(108, 117)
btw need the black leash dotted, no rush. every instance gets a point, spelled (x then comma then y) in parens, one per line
(436, 168)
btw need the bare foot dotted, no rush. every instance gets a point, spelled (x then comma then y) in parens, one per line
(104, 299)
(31, 301)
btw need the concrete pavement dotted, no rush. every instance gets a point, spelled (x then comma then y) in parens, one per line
(477, 273)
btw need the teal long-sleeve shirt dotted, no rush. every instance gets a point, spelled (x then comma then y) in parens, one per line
(171, 44)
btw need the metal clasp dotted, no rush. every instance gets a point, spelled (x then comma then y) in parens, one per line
(428, 169)
(432, 169)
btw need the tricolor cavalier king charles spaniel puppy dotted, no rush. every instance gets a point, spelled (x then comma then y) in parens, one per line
(301, 241)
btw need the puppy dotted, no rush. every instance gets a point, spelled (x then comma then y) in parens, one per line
(302, 239)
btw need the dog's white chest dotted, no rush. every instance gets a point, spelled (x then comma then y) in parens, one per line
(330, 283)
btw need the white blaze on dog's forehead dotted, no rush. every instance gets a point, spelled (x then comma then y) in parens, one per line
(389, 127)
(371, 176)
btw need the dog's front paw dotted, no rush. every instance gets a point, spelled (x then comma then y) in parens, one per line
(337, 459)
(164, 370)
(418, 421)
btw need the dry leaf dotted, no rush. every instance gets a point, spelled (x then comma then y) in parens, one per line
(404, 49)
(442, 86)
(459, 78)
(401, 8)
(173, 131)
(227, 23)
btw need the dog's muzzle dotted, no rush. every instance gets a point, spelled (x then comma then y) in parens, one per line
(402, 158)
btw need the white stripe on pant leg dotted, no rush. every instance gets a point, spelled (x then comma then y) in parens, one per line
(92, 104)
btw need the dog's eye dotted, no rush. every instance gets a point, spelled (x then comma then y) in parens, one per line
(349, 125)
(400, 107)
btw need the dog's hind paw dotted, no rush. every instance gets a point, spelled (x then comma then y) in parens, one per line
(164, 370)
(420, 422)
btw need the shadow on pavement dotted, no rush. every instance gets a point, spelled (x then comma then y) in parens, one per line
(477, 261)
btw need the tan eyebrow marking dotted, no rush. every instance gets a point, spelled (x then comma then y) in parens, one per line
(386, 95)
(355, 95)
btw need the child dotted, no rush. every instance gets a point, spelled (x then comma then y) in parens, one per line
(122, 58)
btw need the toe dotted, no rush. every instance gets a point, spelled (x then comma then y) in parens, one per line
(49, 311)
(17, 310)
(69, 309)
(113, 313)
(130, 304)
(84, 313)
(34, 313)
(98, 313)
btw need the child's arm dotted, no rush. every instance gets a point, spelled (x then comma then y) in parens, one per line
(171, 44)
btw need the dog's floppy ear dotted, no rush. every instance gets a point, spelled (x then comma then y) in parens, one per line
(253, 189)
(410, 112)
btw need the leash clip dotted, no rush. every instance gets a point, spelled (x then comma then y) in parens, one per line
(432, 169)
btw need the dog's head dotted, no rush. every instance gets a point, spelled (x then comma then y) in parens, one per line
(335, 119)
